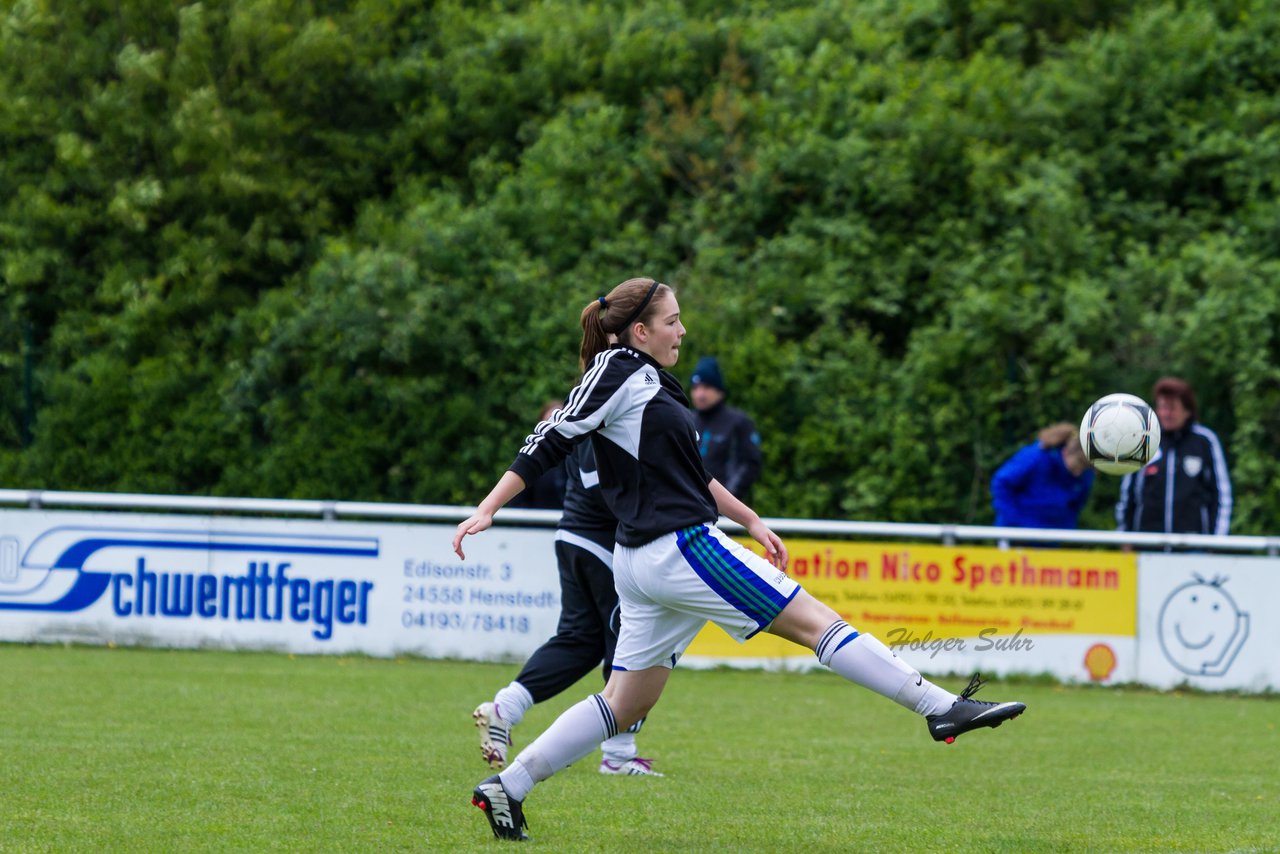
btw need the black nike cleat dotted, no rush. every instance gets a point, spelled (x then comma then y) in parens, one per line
(967, 713)
(505, 814)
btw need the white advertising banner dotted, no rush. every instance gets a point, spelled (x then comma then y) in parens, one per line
(385, 589)
(1209, 621)
(292, 585)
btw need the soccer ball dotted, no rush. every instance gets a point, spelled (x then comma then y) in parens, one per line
(1120, 434)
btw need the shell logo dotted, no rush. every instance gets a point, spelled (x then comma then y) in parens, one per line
(1100, 661)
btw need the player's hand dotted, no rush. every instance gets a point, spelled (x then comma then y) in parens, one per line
(774, 549)
(474, 524)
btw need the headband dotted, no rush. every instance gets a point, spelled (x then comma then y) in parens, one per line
(640, 308)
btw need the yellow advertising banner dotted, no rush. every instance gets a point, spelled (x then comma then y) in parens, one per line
(904, 593)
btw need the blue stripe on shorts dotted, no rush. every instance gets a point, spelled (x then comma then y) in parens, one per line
(731, 579)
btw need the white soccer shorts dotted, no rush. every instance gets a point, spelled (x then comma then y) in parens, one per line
(669, 588)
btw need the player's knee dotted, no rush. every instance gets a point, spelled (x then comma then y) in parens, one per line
(804, 620)
(819, 612)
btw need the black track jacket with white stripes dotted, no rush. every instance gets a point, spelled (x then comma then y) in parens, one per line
(645, 441)
(1185, 489)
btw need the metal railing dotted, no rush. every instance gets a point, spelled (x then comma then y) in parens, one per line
(332, 510)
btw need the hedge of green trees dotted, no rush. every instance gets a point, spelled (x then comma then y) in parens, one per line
(338, 250)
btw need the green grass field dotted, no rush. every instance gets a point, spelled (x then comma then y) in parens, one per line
(145, 750)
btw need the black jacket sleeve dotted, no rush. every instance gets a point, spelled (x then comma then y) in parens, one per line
(744, 461)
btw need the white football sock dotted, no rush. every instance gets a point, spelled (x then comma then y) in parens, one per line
(620, 749)
(864, 660)
(512, 702)
(569, 738)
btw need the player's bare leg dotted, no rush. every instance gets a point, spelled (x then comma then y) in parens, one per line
(866, 661)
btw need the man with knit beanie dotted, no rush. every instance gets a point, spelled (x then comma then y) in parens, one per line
(727, 437)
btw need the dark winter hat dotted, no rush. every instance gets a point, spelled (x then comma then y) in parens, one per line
(707, 372)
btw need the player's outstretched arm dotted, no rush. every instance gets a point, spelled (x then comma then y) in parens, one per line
(508, 487)
(731, 507)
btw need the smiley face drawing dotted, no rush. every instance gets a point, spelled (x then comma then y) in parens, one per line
(1201, 628)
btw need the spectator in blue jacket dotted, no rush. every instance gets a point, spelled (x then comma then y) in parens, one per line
(1045, 484)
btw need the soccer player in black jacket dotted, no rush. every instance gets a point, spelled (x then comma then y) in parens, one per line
(673, 568)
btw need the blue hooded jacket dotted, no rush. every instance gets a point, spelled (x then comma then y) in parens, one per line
(1035, 489)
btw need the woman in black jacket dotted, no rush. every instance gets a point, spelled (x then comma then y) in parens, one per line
(1185, 488)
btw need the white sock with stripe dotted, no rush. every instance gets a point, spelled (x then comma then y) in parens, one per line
(512, 702)
(621, 749)
(569, 738)
(865, 661)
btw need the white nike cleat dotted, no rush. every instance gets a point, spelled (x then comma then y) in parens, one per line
(636, 766)
(495, 735)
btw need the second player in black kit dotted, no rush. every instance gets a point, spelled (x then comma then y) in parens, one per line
(587, 631)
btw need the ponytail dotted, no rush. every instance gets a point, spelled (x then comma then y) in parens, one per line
(594, 339)
(629, 303)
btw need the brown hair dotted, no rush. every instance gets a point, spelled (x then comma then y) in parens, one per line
(1056, 435)
(609, 314)
(1176, 387)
